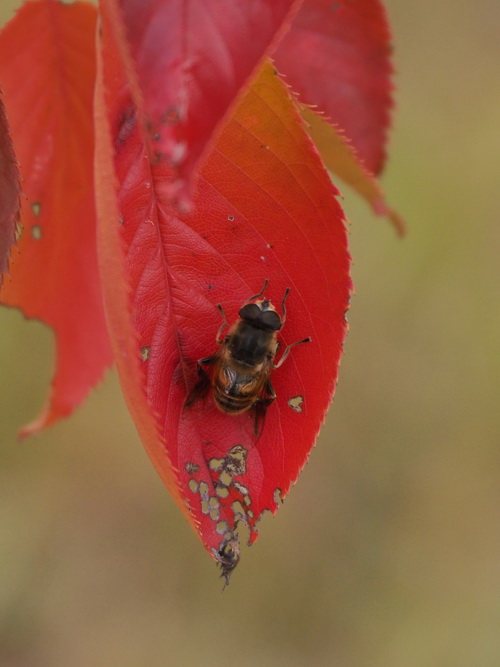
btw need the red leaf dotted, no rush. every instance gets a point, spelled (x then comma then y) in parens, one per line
(54, 278)
(10, 190)
(192, 58)
(265, 209)
(337, 57)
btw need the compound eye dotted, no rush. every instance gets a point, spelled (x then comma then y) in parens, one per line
(250, 312)
(271, 320)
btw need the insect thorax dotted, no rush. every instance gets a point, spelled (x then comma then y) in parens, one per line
(251, 345)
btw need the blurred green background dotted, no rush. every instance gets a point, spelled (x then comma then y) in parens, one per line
(388, 551)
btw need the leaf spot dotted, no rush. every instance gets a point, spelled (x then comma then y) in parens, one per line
(225, 478)
(36, 232)
(296, 403)
(145, 354)
(191, 468)
(222, 491)
(36, 208)
(221, 527)
(193, 486)
(242, 489)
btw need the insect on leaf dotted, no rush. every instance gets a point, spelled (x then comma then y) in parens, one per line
(54, 276)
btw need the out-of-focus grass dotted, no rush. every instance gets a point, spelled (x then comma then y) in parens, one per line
(387, 551)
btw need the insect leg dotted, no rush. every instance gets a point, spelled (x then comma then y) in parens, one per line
(260, 407)
(224, 324)
(202, 385)
(288, 348)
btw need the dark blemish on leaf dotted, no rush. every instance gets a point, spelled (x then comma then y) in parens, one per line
(36, 232)
(296, 403)
(36, 208)
(145, 353)
(235, 462)
(172, 116)
(210, 286)
(269, 245)
(126, 124)
(191, 468)
(230, 218)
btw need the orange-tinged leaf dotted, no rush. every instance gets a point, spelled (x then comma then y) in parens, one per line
(341, 159)
(10, 190)
(192, 57)
(265, 209)
(50, 48)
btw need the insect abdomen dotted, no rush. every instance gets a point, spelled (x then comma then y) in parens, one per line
(232, 404)
(234, 392)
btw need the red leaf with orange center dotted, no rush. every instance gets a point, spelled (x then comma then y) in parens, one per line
(244, 228)
(48, 79)
(337, 57)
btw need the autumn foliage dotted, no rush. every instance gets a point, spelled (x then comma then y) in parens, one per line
(167, 165)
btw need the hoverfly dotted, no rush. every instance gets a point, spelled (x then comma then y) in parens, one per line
(242, 365)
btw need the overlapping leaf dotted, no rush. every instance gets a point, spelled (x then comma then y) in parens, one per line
(191, 59)
(337, 57)
(48, 81)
